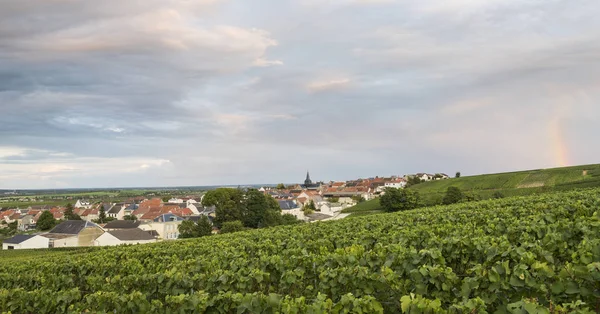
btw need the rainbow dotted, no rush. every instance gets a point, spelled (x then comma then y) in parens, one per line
(561, 149)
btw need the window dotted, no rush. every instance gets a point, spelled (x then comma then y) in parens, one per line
(10, 247)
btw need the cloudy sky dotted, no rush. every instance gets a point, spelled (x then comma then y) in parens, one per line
(201, 92)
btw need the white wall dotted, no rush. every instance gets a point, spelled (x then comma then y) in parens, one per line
(67, 242)
(297, 212)
(37, 242)
(166, 230)
(108, 239)
(194, 209)
(395, 185)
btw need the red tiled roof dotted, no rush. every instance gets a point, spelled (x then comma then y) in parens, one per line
(56, 210)
(302, 199)
(185, 212)
(58, 215)
(151, 215)
(7, 213)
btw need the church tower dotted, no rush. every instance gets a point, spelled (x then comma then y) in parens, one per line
(308, 181)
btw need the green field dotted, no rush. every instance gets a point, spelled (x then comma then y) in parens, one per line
(534, 254)
(520, 183)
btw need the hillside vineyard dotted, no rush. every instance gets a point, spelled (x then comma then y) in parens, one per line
(536, 254)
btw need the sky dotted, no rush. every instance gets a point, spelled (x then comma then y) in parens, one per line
(207, 92)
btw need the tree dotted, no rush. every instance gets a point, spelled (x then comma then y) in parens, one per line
(453, 195)
(497, 195)
(232, 226)
(281, 186)
(190, 229)
(10, 230)
(166, 199)
(289, 219)
(229, 204)
(204, 226)
(102, 215)
(46, 221)
(457, 175)
(129, 217)
(69, 215)
(399, 200)
(413, 180)
(187, 229)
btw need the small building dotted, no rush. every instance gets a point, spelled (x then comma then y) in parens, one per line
(124, 236)
(166, 225)
(73, 233)
(83, 204)
(116, 211)
(22, 241)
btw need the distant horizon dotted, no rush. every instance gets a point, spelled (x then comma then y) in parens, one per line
(451, 175)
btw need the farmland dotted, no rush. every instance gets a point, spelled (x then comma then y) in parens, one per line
(507, 184)
(512, 255)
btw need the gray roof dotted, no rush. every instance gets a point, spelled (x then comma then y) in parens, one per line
(167, 218)
(132, 206)
(122, 224)
(20, 238)
(115, 209)
(317, 216)
(131, 234)
(286, 204)
(196, 218)
(72, 226)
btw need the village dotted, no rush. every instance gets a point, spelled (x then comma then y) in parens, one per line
(140, 220)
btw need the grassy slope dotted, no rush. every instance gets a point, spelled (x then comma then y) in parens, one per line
(509, 184)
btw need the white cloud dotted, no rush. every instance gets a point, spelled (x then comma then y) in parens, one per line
(262, 62)
(335, 84)
(12, 152)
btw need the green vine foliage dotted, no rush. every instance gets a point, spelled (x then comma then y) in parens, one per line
(536, 254)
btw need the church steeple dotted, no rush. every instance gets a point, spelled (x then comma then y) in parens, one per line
(308, 181)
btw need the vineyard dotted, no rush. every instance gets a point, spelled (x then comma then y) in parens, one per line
(536, 254)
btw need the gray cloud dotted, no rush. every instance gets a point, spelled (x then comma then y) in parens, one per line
(212, 92)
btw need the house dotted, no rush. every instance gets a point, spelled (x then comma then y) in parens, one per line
(194, 207)
(166, 225)
(117, 211)
(287, 204)
(90, 214)
(25, 222)
(83, 204)
(6, 215)
(124, 236)
(440, 176)
(311, 196)
(331, 208)
(398, 183)
(129, 209)
(73, 233)
(121, 224)
(23, 241)
(424, 176)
